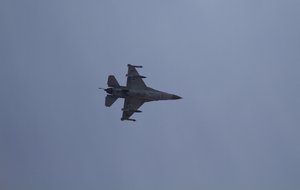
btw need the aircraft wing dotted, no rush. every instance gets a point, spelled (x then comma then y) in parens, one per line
(134, 79)
(131, 105)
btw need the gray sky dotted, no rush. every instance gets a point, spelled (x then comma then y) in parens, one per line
(236, 64)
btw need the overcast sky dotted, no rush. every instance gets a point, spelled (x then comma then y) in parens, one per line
(236, 64)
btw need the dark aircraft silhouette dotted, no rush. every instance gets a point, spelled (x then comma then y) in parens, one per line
(135, 93)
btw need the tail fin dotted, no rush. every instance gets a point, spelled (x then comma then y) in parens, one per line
(112, 81)
(109, 100)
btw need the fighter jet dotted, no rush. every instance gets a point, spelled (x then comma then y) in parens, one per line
(135, 93)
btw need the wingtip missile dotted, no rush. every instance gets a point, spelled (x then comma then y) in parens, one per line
(137, 76)
(136, 66)
(122, 119)
(136, 111)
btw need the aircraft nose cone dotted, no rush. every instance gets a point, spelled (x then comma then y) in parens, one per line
(175, 97)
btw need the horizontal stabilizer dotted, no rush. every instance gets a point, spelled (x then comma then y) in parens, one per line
(109, 100)
(112, 81)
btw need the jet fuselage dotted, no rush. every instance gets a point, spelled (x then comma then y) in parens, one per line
(148, 94)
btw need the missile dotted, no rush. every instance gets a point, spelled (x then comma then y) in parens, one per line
(136, 66)
(136, 111)
(138, 76)
(127, 119)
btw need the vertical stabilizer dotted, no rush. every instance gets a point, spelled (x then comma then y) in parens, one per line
(109, 100)
(112, 81)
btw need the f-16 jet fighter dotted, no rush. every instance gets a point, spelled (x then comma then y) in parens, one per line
(135, 93)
